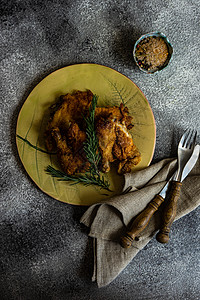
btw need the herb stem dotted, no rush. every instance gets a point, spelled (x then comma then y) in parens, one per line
(35, 147)
(86, 179)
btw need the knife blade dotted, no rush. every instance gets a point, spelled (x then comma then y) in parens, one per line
(191, 162)
(170, 210)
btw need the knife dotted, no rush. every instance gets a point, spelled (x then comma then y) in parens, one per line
(143, 219)
(170, 210)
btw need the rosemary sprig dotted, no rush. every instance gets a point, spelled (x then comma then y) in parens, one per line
(91, 144)
(86, 179)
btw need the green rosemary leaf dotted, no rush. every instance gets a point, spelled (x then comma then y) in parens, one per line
(91, 144)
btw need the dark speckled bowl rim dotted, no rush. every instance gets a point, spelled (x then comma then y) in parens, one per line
(170, 48)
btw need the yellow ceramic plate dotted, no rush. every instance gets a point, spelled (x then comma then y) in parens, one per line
(112, 88)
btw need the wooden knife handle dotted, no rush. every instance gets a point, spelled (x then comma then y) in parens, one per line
(169, 212)
(141, 222)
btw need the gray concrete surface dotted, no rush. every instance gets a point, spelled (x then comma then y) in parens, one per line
(44, 251)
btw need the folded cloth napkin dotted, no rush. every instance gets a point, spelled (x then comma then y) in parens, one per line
(108, 220)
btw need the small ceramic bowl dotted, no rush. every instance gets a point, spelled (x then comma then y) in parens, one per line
(143, 63)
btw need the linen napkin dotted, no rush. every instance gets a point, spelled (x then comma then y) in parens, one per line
(109, 219)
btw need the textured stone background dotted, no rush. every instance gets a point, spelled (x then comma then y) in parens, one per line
(44, 251)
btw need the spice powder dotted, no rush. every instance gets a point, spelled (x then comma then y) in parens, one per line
(151, 53)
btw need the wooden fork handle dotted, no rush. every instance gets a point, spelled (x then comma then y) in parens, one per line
(141, 222)
(169, 213)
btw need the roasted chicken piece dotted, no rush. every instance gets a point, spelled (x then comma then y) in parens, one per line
(70, 109)
(66, 132)
(63, 131)
(115, 142)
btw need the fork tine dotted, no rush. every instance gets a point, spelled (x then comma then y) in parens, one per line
(189, 138)
(184, 137)
(193, 140)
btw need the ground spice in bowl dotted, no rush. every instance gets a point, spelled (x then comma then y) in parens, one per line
(152, 53)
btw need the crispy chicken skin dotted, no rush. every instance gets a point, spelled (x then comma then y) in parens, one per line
(125, 150)
(66, 132)
(105, 130)
(75, 137)
(115, 142)
(71, 162)
(70, 109)
(117, 113)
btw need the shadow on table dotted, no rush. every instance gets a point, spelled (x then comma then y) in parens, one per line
(123, 46)
(86, 267)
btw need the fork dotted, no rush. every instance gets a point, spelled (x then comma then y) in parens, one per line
(185, 150)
